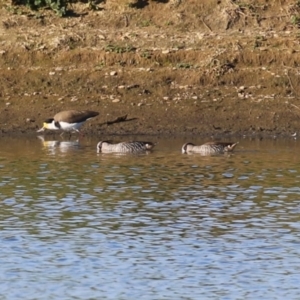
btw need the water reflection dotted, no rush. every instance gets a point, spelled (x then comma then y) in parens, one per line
(84, 225)
(55, 146)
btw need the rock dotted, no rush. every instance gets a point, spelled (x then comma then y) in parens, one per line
(73, 99)
(116, 100)
(113, 73)
(101, 37)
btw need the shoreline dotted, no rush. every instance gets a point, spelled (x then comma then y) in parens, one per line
(185, 77)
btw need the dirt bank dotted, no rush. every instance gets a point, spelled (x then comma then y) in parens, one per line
(174, 67)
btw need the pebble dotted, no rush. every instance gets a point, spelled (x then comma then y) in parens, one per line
(116, 100)
(183, 87)
(113, 73)
(73, 99)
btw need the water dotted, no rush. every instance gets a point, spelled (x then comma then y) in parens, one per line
(75, 224)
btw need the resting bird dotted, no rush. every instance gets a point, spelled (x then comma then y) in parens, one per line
(208, 148)
(124, 147)
(68, 120)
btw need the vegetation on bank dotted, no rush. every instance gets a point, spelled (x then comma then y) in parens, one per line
(236, 9)
(60, 7)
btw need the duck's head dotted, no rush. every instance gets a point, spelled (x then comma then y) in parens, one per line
(99, 146)
(187, 147)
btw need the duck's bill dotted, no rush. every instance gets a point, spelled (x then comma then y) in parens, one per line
(41, 130)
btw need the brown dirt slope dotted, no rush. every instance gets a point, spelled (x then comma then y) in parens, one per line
(174, 67)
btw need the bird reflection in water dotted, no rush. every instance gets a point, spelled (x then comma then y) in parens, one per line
(56, 146)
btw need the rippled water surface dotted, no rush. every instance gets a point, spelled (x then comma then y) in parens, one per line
(75, 224)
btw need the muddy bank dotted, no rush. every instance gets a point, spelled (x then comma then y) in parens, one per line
(171, 71)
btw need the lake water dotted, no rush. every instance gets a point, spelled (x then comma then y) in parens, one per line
(75, 224)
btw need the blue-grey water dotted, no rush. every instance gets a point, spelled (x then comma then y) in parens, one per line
(75, 224)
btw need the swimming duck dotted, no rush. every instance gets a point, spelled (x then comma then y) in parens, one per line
(208, 148)
(124, 147)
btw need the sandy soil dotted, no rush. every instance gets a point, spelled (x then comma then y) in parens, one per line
(173, 67)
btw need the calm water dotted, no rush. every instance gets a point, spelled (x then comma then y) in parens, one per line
(75, 224)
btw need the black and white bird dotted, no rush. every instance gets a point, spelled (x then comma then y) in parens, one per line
(68, 120)
(209, 148)
(124, 147)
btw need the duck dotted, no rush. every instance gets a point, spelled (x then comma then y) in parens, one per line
(68, 120)
(124, 147)
(209, 148)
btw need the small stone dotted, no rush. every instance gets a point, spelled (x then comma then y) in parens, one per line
(113, 73)
(165, 51)
(29, 120)
(140, 104)
(195, 97)
(183, 87)
(116, 100)
(73, 99)
(51, 73)
(121, 87)
(8, 103)
(166, 98)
